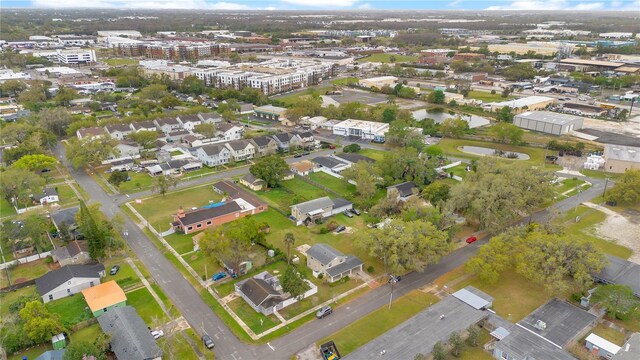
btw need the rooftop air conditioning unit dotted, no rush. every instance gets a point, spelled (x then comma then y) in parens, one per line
(540, 325)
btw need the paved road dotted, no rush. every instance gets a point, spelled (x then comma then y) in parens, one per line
(202, 318)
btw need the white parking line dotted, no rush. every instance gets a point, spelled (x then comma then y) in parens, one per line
(271, 347)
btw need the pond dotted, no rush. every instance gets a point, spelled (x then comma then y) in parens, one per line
(483, 151)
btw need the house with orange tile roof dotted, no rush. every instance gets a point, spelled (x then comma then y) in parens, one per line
(103, 297)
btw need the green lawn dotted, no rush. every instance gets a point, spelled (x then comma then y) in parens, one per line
(291, 192)
(387, 58)
(120, 61)
(5, 208)
(600, 174)
(146, 305)
(459, 170)
(476, 352)
(72, 309)
(139, 181)
(450, 147)
(342, 187)
(568, 184)
(160, 209)
(345, 81)
(584, 229)
(251, 317)
(380, 321)
(373, 153)
(24, 272)
(202, 264)
(172, 310)
(66, 194)
(610, 334)
(8, 298)
(31, 353)
(90, 333)
(293, 98)
(487, 96)
(181, 243)
(126, 277)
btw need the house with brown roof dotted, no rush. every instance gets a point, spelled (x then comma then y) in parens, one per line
(252, 182)
(76, 252)
(91, 132)
(302, 168)
(147, 125)
(101, 298)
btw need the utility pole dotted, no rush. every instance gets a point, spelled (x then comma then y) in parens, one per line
(606, 182)
(392, 281)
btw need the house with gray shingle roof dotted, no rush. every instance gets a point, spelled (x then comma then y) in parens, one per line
(213, 155)
(118, 131)
(312, 210)
(334, 265)
(130, 337)
(241, 149)
(262, 292)
(68, 280)
(264, 145)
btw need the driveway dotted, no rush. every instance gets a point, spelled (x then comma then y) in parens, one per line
(201, 317)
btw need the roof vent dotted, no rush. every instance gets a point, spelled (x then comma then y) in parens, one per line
(540, 325)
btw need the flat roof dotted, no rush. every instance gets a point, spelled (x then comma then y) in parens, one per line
(363, 125)
(557, 321)
(471, 299)
(623, 153)
(591, 62)
(525, 101)
(621, 272)
(422, 331)
(603, 344)
(549, 117)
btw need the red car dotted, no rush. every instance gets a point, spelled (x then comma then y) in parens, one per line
(471, 239)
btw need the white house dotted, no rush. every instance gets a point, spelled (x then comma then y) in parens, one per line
(312, 210)
(189, 122)
(241, 149)
(213, 155)
(334, 265)
(147, 125)
(90, 133)
(128, 149)
(49, 195)
(168, 125)
(68, 280)
(210, 118)
(118, 131)
(230, 131)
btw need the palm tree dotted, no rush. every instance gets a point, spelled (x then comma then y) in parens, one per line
(289, 240)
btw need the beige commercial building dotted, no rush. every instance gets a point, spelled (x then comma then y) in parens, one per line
(544, 48)
(379, 82)
(619, 158)
(529, 103)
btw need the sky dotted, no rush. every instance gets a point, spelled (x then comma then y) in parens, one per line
(584, 5)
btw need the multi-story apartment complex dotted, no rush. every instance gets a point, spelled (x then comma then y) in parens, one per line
(177, 51)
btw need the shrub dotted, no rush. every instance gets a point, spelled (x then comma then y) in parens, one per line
(332, 225)
(48, 260)
(320, 276)
(493, 92)
(576, 297)
(324, 230)
(353, 148)
(370, 269)
(339, 282)
(512, 155)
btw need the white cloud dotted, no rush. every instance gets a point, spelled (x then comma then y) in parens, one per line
(616, 3)
(365, 6)
(633, 6)
(322, 3)
(151, 4)
(455, 3)
(548, 5)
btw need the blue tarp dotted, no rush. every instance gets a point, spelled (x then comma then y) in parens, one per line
(214, 205)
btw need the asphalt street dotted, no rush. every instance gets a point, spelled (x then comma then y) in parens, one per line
(201, 317)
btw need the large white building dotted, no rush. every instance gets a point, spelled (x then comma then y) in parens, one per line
(361, 129)
(68, 57)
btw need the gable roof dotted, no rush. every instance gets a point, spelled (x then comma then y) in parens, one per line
(213, 149)
(621, 272)
(189, 118)
(203, 214)
(209, 115)
(302, 166)
(130, 337)
(65, 216)
(252, 179)
(167, 121)
(224, 127)
(283, 137)
(72, 249)
(103, 295)
(258, 291)
(234, 191)
(92, 131)
(351, 262)
(55, 278)
(239, 144)
(404, 189)
(328, 162)
(354, 158)
(52, 355)
(323, 253)
(117, 127)
(314, 205)
(262, 141)
(147, 124)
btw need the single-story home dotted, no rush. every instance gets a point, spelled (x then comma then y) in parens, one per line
(330, 164)
(68, 280)
(312, 210)
(252, 182)
(76, 252)
(271, 112)
(620, 272)
(262, 292)
(104, 297)
(334, 265)
(130, 336)
(49, 195)
(403, 191)
(600, 346)
(352, 158)
(302, 168)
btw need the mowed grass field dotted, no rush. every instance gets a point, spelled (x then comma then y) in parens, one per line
(389, 58)
(486, 96)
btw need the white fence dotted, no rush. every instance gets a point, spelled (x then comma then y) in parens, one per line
(293, 300)
(25, 260)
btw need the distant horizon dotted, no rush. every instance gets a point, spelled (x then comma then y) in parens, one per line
(333, 5)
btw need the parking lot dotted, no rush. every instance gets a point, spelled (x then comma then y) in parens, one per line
(364, 97)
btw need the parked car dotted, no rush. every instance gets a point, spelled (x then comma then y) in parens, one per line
(356, 211)
(208, 342)
(332, 146)
(157, 334)
(394, 277)
(324, 311)
(347, 213)
(297, 155)
(341, 228)
(114, 269)
(471, 239)
(219, 276)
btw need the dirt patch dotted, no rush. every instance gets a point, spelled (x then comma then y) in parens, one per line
(311, 352)
(619, 228)
(19, 280)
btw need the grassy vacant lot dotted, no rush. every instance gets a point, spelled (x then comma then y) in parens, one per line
(450, 147)
(345, 81)
(126, 277)
(380, 321)
(386, 58)
(146, 305)
(72, 309)
(251, 317)
(584, 229)
(138, 182)
(90, 333)
(291, 192)
(202, 264)
(5, 208)
(340, 186)
(66, 194)
(180, 242)
(24, 272)
(610, 334)
(120, 61)
(159, 209)
(487, 96)
(372, 153)
(568, 184)
(8, 298)
(293, 98)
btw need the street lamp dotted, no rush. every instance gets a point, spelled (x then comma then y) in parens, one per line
(392, 281)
